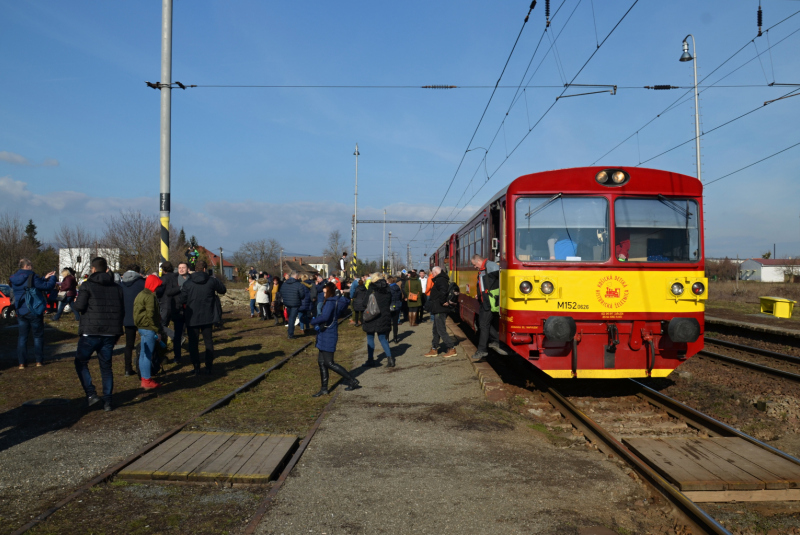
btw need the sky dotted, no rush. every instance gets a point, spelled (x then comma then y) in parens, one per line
(79, 129)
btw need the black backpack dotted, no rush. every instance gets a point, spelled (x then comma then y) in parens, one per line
(453, 291)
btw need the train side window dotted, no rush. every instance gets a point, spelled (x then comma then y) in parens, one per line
(656, 230)
(562, 228)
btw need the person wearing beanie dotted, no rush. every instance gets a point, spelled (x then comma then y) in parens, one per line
(147, 318)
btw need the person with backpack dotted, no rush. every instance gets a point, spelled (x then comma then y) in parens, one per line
(360, 302)
(439, 305)
(292, 293)
(202, 312)
(326, 324)
(377, 318)
(132, 283)
(102, 308)
(396, 306)
(69, 286)
(413, 293)
(31, 303)
(488, 281)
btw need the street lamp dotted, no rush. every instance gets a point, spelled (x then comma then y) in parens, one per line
(693, 57)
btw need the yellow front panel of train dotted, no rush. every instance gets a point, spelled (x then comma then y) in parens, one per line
(611, 292)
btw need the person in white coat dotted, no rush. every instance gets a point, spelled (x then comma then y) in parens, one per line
(262, 298)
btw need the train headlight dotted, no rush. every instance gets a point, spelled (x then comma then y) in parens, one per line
(547, 287)
(618, 177)
(602, 177)
(677, 288)
(698, 288)
(525, 287)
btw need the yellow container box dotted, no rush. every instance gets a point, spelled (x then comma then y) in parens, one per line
(777, 306)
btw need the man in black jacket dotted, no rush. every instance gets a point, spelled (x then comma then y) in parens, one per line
(169, 308)
(439, 307)
(100, 304)
(199, 294)
(132, 283)
(292, 292)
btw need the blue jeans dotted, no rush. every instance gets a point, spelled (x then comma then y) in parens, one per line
(36, 324)
(305, 319)
(252, 307)
(104, 346)
(62, 304)
(371, 345)
(147, 352)
(320, 302)
(292, 316)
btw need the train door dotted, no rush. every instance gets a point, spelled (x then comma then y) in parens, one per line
(496, 223)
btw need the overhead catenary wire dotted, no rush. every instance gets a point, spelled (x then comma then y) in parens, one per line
(751, 165)
(589, 59)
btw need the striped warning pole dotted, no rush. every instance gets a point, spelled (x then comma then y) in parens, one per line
(166, 123)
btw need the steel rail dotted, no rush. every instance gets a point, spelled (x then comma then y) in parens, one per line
(704, 421)
(752, 365)
(699, 519)
(111, 472)
(757, 350)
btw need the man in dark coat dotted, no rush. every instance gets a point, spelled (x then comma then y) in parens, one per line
(101, 305)
(439, 307)
(132, 283)
(27, 319)
(292, 292)
(382, 323)
(199, 294)
(170, 309)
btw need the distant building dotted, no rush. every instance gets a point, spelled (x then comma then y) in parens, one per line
(230, 271)
(770, 270)
(80, 258)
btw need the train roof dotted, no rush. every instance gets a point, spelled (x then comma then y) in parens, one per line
(581, 180)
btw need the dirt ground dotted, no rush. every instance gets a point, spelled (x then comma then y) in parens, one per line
(740, 301)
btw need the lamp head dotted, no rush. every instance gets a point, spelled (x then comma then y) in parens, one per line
(686, 56)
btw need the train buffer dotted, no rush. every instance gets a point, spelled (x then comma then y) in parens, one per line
(720, 469)
(777, 306)
(244, 458)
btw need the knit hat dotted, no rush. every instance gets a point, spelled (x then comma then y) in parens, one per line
(152, 282)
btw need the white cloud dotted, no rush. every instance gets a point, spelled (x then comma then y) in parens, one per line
(18, 159)
(13, 158)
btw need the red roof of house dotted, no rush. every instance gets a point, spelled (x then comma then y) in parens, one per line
(777, 261)
(212, 258)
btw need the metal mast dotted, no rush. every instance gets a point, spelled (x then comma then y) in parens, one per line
(166, 123)
(355, 217)
(383, 244)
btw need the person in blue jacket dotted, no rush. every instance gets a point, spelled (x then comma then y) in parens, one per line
(27, 319)
(327, 327)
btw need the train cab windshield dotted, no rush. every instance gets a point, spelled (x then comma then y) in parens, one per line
(559, 228)
(656, 230)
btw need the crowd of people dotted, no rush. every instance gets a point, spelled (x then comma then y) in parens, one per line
(109, 306)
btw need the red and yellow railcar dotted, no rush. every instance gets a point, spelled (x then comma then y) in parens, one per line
(601, 269)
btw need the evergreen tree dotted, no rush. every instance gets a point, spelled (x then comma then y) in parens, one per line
(182, 237)
(30, 234)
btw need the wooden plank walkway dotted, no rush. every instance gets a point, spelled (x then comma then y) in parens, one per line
(720, 468)
(208, 456)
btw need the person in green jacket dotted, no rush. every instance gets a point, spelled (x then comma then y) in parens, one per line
(147, 318)
(412, 290)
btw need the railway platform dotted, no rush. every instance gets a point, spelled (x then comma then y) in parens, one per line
(419, 449)
(762, 328)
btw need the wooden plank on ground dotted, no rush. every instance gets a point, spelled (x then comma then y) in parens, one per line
(216, 468)
(269, 466)
(673, 465)
(199, 445)
(144, 467)
(734, 477)
(250, 467)
(768, 461)
(771, 481)
(198, 455)
(780, 495)
(219, 451)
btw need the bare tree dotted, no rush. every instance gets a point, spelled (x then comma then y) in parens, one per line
(78, 246)
(336, 246)
(138, 239)
(262, 254)
(13, 245)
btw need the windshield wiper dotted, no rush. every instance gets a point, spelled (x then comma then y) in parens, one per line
(544, 205)
(674, 206)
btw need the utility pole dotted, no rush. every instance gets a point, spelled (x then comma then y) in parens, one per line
(352, 243)
(391, 258)
(355, 216)
(280, 275)
(383, 244)
(166, 123)
(221, 265)
(408, 257)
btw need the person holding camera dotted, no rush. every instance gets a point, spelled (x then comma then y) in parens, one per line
(439, 306)
(327, 326)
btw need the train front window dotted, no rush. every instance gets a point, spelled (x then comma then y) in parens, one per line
(656, 230)
(559, 228)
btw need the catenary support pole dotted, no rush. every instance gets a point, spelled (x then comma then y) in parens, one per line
(355, 218)
(383, 244)
(166, 123)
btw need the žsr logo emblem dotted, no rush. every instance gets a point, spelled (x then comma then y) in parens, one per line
(612, 291)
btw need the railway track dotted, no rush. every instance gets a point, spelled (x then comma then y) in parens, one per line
(761, 360)
(263, 506)
(627, 409)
